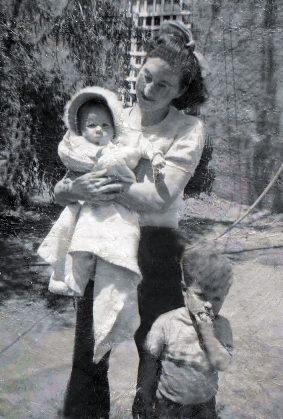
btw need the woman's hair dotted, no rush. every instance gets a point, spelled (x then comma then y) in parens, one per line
(208, 269)
(174, 48)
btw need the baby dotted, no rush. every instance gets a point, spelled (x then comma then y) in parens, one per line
(193, 343)
(103, 239)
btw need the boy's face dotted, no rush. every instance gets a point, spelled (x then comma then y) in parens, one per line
(97, 124)
(201, 299)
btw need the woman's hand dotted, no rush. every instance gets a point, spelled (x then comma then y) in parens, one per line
(94, 188)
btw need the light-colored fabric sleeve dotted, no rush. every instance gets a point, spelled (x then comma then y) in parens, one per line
(76, 153)
(149, 148)
(118, 160)
(155, 340)
(223, 333)
(186, 150)
(119, 153)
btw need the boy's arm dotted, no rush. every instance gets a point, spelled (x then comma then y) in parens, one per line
(217, 340)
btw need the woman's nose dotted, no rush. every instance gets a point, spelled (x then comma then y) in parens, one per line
(148, 89)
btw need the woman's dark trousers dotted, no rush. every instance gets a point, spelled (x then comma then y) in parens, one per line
(87, 394)
(160, 291)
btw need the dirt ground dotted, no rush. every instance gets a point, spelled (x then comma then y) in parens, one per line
(37, 328)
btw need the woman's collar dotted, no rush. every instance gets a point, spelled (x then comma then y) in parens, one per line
(132, 117)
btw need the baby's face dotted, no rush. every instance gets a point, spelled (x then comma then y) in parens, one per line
(97, 125)
(201, 299)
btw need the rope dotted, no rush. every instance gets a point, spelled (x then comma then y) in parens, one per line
(23, 334)
(249, 210)
(266, 190)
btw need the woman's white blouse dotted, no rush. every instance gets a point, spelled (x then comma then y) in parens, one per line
(181, 138)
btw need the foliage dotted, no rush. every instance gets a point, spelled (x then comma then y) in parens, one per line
(31, 99)
(91, 36)
(97, 34)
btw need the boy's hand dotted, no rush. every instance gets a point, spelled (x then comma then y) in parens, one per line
(217, 354)
(205, 324)
(202, 311)
(204, 321)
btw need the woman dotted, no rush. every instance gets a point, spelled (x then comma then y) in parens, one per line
(169, 80)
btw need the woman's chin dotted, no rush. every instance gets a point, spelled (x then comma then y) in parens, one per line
(147, 104)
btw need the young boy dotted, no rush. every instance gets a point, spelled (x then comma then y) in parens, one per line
(193, 343)
(103, 239)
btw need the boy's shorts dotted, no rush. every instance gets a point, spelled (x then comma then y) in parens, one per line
(166, 409)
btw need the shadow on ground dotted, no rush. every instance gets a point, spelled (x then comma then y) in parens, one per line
(21, 270)
(22, 273)
(196, 229)
(37, 328)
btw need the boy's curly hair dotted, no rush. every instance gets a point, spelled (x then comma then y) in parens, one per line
(207, 268)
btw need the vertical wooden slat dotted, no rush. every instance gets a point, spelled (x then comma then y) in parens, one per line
(145, 8)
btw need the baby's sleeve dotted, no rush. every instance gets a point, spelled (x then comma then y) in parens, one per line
(149, 149)
(155, 340)
(223, 333)
(74, 153)
(186, 150)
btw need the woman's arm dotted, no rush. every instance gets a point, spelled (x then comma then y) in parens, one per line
(158, 196)
(181, 161)
(62, 194)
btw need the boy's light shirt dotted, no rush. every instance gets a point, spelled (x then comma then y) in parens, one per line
(187, 376)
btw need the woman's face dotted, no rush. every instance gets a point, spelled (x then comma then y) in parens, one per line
(157, 84)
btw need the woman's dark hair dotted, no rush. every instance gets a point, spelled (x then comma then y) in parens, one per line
(172, 47)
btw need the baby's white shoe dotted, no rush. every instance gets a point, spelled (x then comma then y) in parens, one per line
(59, 287)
